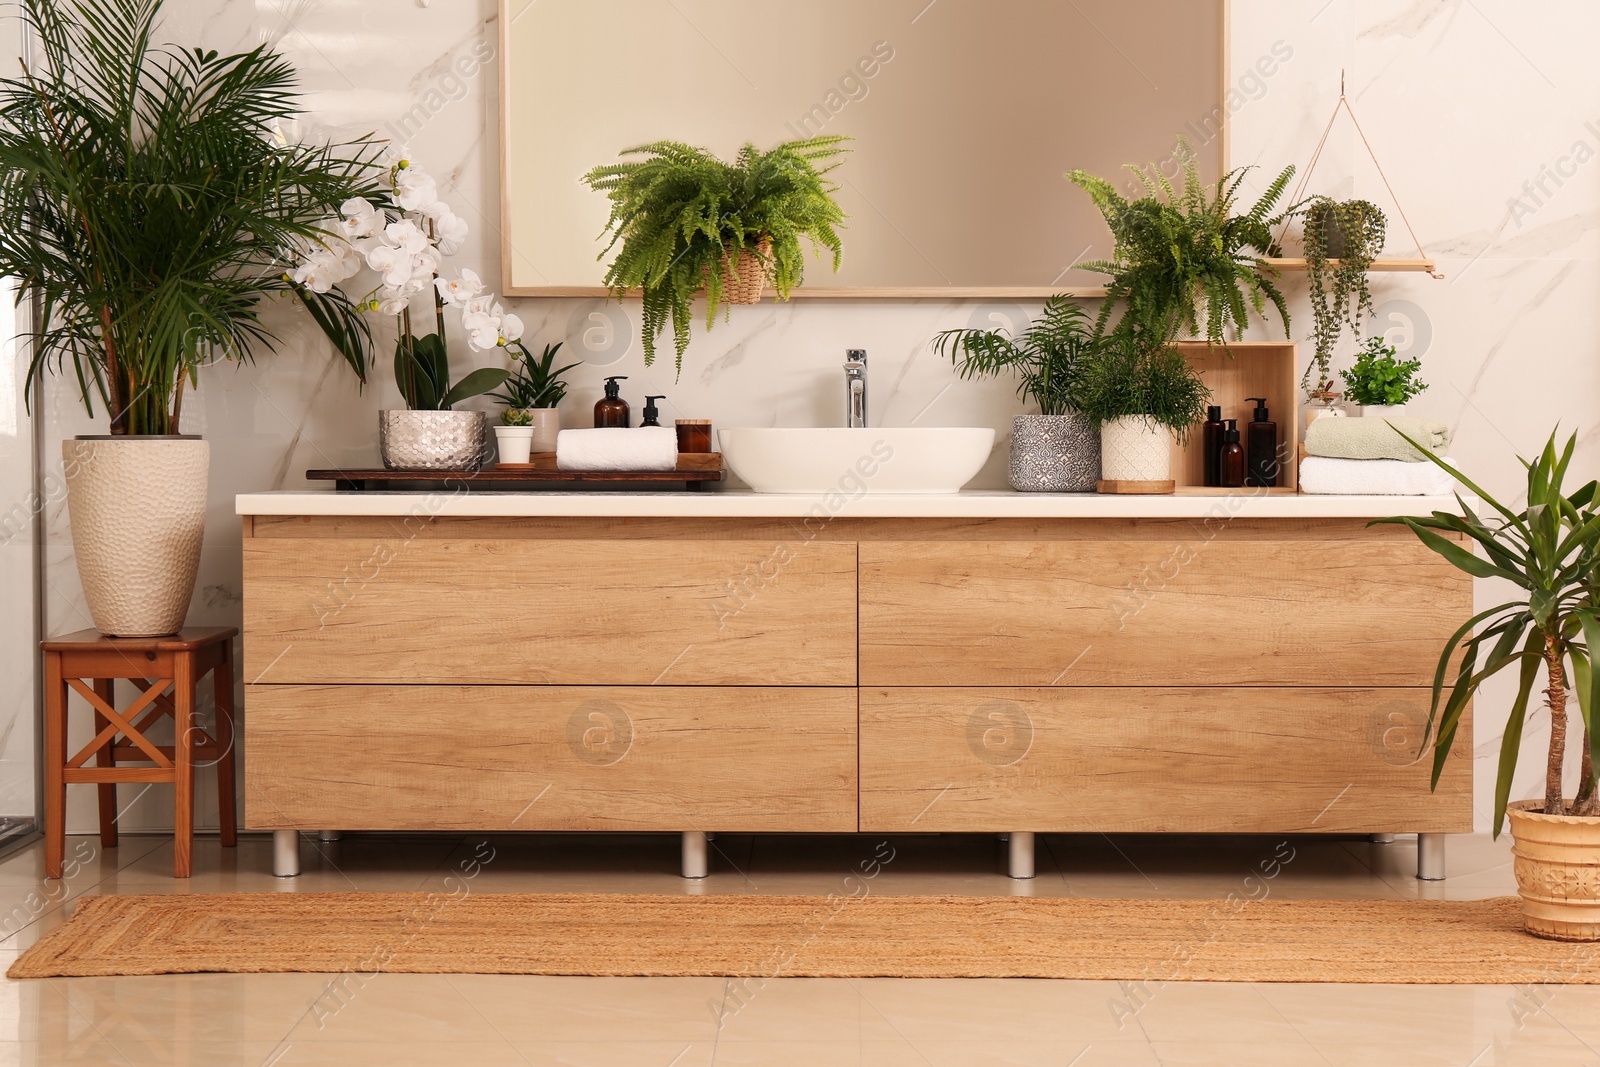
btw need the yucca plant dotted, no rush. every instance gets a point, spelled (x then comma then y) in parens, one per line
(149, 200)
(683, 216)
(1550, 551)
(1178, 252)
(1049, 358)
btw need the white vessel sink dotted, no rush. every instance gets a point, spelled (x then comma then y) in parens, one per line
(890, 459)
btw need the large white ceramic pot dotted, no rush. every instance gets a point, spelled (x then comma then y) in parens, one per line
(546, 424)
(1135, 449)
(138, 512)
(1054, 453)
(1557, 863)
(433, 440)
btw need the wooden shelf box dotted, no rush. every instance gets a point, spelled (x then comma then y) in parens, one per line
(1234, 372)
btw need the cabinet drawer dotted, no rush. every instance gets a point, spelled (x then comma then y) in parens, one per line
(550, 758)
(1135, 760)
(423, 611)
(1352, 612)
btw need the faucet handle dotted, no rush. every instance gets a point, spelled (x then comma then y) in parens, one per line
(856, 355)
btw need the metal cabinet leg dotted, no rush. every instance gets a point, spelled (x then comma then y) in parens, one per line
(696, 855)
(330, 835)
(1020, 852)
(1430, 857)
(286, 853)
(1381, 839)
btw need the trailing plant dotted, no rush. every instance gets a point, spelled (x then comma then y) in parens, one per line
(532, 384)
(150, 201)
(1351, 232)
(1550, 551)
(1380, 376)
(1138, 374)
(1049, 357)
(1177, 252)
(682, 217)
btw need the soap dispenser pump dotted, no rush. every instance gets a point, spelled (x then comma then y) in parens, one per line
(612, 410)
(1231, 459)
(1261, 463)
(652, 416)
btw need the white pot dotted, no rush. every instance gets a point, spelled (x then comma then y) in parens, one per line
(546, 424)
(1135, 449)
(138, 512)
(1378, 411)
(513, 443)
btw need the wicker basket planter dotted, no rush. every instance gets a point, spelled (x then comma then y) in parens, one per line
(751, 269)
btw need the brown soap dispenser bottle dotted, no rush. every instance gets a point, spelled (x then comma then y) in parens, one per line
(1232, 456)
(1261, 467)
(611, 410)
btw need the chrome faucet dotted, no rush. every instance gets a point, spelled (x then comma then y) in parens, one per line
(855, 380)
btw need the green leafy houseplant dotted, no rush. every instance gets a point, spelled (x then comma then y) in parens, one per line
(1342, 238)
(145, 201)
(1049, 358)
(1549, 551)
(1381, 377)
(1134, 375)
(532, 384)
(689, 222)
(422, 371)
(1177, 252)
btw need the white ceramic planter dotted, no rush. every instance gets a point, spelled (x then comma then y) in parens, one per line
(546, 424)
(513, 443)
(138, 512)
(1135, 449)
(1378, 411)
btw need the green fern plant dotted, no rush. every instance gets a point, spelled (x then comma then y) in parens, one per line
(1049, 358)
(1351, 232)
(1177, 252)
(682, 217)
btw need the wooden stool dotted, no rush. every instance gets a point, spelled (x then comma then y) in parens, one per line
(89, 664)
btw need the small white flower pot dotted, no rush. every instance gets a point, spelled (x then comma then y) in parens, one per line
(1135, 449)
(514, 443)
(1379, 411)
(546, 424)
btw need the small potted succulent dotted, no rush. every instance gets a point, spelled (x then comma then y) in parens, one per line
(1057, 450)
(690, 223)
(1547, 556)
(531, 419)
(1342, 238)
(1381, 382)
(1143, 393)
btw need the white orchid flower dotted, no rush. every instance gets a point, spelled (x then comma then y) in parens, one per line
(395, 265)
(360, 219)
(450, 230)
(510, 329)
(459, 292)
(407, 236)
(482, 321)
(414, 188)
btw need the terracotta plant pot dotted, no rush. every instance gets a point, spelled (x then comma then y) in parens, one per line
(138, 512)
(1054, 454)
(1557, 863)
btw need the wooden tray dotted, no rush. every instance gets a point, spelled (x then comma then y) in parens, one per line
(695, 471)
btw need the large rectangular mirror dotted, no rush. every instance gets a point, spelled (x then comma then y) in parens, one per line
(964, 116)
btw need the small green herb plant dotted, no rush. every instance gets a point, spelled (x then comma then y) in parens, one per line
(1136, 374)
(1049, 358)
(1352, 233)
(1177, 253)
(422, 371)
(1550, 553)
(682, 216)
(1380, 376)
(532, 384)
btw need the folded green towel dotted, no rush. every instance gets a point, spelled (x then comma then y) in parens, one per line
(1375, 437)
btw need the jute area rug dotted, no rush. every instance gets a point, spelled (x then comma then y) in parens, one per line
(1445, 942)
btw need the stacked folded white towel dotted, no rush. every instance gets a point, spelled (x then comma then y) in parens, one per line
(1374, 477)
(648, 448)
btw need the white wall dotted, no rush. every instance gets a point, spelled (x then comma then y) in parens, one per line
(1464, 101)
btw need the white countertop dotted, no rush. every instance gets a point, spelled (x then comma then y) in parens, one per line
(972, 504)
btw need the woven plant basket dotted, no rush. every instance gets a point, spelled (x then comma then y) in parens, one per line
(752, 275)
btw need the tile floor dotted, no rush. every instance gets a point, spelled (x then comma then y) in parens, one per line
(397, 1020)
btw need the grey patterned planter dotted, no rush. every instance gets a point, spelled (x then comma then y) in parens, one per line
(1054, 454)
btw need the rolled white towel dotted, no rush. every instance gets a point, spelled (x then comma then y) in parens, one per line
(648, 448)
(1374, 477)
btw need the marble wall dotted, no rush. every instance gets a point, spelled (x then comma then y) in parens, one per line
(1480, 110)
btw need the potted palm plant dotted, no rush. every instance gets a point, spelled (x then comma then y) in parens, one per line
(531, 395)
(1057, 450)
(150, 207)
(690, 223)
(1184, 261)
(1143, 393)
(1549, 551)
